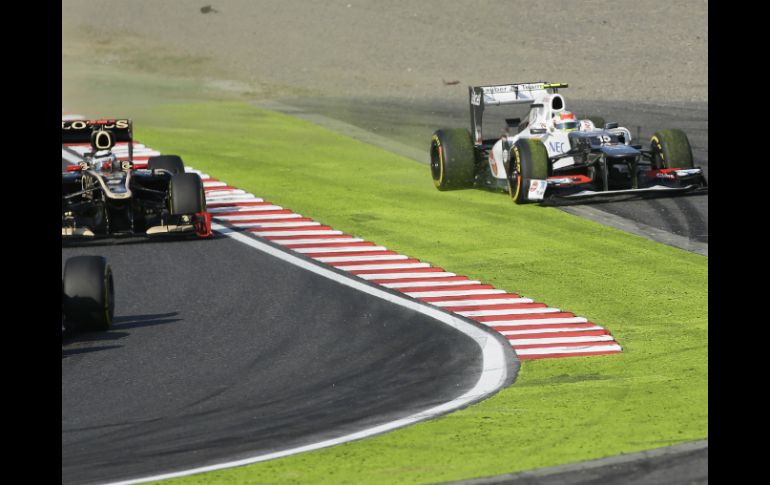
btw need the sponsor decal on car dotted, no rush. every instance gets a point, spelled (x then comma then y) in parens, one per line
(493, 163)
(498, 89)
(537, 189)
(557, 146)
(84, 124)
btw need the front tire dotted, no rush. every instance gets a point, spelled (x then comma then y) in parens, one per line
(186, 194)
(172, 163)
(88, 293)
(671, 149)
(528, 161)
(452, 159)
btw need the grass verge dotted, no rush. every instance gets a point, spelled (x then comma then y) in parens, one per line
(652, 297)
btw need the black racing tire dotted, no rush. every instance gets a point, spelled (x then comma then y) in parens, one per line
(172, 163)
(186, 194)
(452, 159)
(88, 293)
(671, 149)
(528, 161)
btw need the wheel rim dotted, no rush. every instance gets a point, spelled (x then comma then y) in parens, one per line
(514, 181)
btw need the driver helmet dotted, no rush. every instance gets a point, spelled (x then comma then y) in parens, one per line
(106, 162)
(565, 121)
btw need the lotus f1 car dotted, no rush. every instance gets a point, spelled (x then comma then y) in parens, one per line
(553, 154)
(104, 195)
(87, 295)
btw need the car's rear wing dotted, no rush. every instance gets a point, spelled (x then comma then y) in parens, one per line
(79, 131)
(503, 94)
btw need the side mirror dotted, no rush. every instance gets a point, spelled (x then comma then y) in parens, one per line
(609, 126)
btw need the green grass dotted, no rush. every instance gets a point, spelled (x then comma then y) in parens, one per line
(652, 297)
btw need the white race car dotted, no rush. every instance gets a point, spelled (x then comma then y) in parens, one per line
(552, 153)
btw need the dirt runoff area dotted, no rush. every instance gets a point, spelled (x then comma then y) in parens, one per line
(635, 50)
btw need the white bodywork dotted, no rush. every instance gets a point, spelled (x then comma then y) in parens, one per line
(556, 142)
(540, 119)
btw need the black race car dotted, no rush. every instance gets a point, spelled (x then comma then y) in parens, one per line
(87, 295)
(104, 195)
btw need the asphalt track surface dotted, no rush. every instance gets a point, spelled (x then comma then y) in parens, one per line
(220, 352)
(409, 124)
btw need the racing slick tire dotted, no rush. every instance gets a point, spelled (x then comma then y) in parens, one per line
(172, 163)
(186, 194)
(528, 161)
(452, 159)
(88, 293)
(671, 149)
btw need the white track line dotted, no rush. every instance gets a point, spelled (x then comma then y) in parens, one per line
(551, 330)
(229, 199)
(561, 340)
(210, 194)
(462, 303)
(364, 267)
(292, 242)
(243, 208)
(340, 249)
(417, 284)
(257, 217)
(296, 233)
(352, 259)
(535, 321)
(425, 294)
(493, 376)
(398, 276)
(276, 225)
(511, 311)
(570, 350)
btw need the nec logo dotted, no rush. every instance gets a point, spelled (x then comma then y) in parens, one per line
(556, 146)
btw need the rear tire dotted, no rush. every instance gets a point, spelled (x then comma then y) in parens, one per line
(452, 159)
(528, 161)
(186, 194)
(172, 163)
(671, 149)
(88, 292)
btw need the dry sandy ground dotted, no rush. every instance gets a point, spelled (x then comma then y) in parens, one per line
(633, 50)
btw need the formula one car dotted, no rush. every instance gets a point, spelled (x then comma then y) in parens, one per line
(104, 195)
(553, 154)
(87, 295)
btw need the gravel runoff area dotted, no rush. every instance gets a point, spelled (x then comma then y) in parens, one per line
(630, 50)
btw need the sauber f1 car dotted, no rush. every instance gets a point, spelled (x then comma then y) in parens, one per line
(107, 195)
(87, 295)
(552, 154)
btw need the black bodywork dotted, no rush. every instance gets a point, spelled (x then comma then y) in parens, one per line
(106, 196)
(86, 204)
